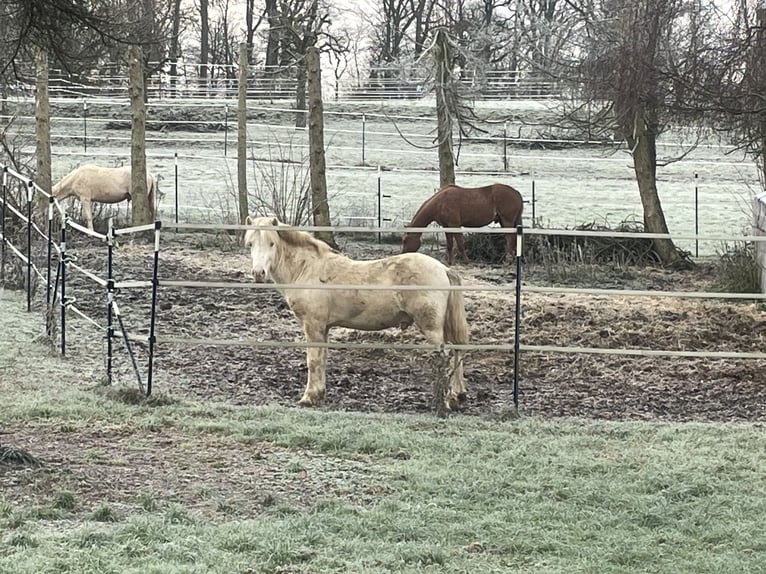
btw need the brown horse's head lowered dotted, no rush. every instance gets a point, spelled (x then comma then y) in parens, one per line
(454, 206)
(411, 241)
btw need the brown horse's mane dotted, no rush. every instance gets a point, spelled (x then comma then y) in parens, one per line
(425, 207)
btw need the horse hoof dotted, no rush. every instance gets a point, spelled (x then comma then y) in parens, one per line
(462, 398)
(304, 402)
(453, 402)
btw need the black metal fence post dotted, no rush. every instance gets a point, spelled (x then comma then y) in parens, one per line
(153, 320)
(2, 224)
(175, 156)
(225, 129)
(30, 197)
(696, 217)
(517, 326)
(85, 125)
(109, 298)
(505, 146)
(62, 274)
(49, 254)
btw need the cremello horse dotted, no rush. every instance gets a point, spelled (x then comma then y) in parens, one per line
(91, 183)
(296, 257)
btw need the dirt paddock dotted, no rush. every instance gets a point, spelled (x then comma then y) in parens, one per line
(551, 384)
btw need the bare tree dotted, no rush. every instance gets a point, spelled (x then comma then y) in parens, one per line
(319, 205)
(627, 76)
(444, 85)
(175, 44)
(737, 94)
(204, 43)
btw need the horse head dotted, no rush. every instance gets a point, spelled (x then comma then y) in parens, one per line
(410, 242)
(263, 246)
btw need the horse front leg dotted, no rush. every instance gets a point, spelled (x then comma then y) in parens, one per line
(461, 246)
(316, 363)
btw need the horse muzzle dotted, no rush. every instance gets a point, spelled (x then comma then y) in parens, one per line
(260, 276)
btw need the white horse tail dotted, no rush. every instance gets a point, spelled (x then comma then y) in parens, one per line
(455, 323)
(151, 194)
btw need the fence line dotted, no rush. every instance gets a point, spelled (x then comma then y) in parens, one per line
(478, 230)
(67, 261)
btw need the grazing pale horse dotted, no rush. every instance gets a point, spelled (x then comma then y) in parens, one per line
(455, 206)
(296, 257)
(91, 183)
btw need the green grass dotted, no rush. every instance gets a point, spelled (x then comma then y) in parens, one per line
(321, 491)
(462, 495)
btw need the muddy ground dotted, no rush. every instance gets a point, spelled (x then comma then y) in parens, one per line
(551, 384)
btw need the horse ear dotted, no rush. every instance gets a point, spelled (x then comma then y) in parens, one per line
(274, 221)
(248, 220)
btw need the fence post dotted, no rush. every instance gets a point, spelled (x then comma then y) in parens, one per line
(2, 225)
(517, 326)
(30, 197)
(85, 125)
(62, 299)
(109, 298)
(364, 131)
(380, 207)
(534, 216)
(505, 146)
(225, 130)
(175, 160)
(696, 217)
(153, 320)
(48, 256)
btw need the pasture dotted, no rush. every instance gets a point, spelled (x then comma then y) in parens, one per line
(388, 145)
(188, 485)
(617, 463)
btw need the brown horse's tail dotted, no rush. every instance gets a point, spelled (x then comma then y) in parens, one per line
(455, 323)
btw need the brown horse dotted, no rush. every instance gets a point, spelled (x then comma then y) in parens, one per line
(91, 183)
(455, 206)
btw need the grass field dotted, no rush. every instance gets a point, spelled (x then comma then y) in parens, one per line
(179, 486)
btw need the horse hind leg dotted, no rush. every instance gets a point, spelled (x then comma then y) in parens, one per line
(461, 246)
(447, 367)
(87, 212)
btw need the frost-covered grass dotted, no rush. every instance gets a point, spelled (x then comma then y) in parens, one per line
(572, 186)
(181, 487)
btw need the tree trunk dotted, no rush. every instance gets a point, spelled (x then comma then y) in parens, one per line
(443, 118)
(175, 50)
(242, 136)
(643, 143)
(204, 44)
(142, 212)
(272, 42)
(319, 205)
(300, 96)
(249, 29)
(43, 130)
